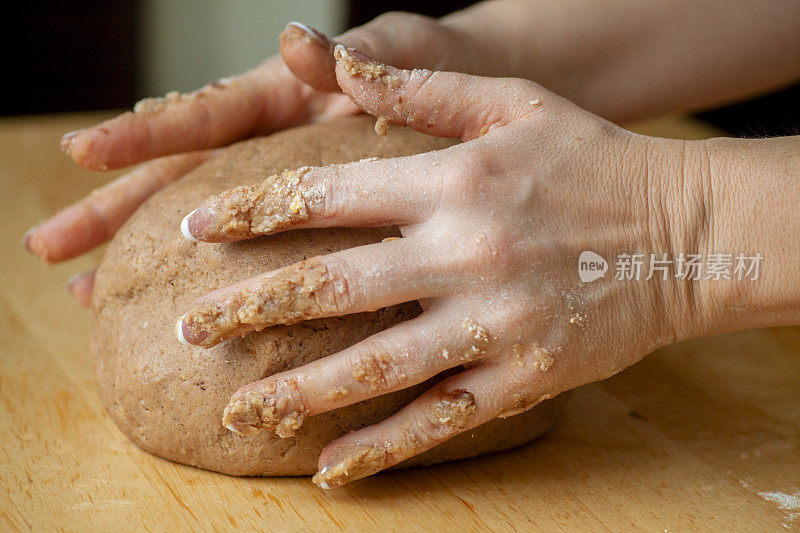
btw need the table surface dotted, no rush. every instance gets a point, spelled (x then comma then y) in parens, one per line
(701, 435)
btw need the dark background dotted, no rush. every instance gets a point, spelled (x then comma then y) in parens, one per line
(49, 45)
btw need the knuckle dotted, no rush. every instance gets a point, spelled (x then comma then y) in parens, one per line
(296, 398)
(326, 201)
(467, 173)
(338, 293)
(518, 88)
(449, 413)
(416, 96)
(539, 372)
(547, 382)
(529, 390)
(519, 402)
(492, 251)
(489, 115)
(522, 93)
(524, 315)
(514, 101)
(427, 429)
(375, 368)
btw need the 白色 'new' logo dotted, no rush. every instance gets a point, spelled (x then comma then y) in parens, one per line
(591, 266)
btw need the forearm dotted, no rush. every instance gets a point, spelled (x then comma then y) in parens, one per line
(747, 194)
(632, 59)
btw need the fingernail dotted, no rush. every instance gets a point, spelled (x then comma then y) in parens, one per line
(179, 332)
(188, 334)
(361, 56)
(296, 30)
(357, 63)
(38, 247)
(67, 140)
(243, 416)
(267, 408)
(351, 463)
(185, 227)
(26, 239)
(75, 278)
(77, 286)
(341, 52)
(319, 479)
(324, 484)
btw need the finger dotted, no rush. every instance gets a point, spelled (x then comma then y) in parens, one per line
(267, 98)
(446, 104)
(81, 285)
(405, 40)
(497, 388)
(308, 54)
(95, 219)
(391, 360)
(384, 192)
(351, 281)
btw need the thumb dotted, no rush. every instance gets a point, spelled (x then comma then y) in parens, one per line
(402, 39)
(445, 104)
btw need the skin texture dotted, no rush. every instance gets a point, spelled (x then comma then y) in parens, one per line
(492, 228)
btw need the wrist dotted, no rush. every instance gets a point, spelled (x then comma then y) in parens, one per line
(754, 188)
(672, 185)
(733, 203)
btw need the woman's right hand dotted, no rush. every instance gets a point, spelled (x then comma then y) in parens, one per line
(174, 134)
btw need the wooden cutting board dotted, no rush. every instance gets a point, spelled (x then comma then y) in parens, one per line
(701, 435)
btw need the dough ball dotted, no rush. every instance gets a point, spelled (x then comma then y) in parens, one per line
(168, 398)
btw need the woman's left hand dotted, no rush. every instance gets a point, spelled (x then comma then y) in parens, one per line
(493, 229)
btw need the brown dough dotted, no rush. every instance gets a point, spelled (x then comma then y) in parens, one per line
(168, 398)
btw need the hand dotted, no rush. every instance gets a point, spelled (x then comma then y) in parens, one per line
(175, 133)
(492, 231)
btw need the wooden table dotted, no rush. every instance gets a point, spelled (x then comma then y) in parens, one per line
(702, 435)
